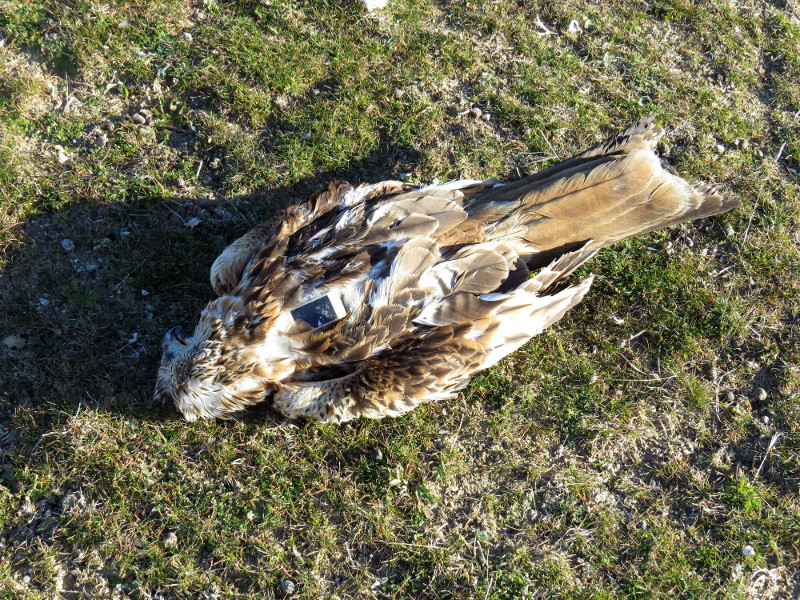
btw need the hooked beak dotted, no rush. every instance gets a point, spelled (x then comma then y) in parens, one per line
(171, 336)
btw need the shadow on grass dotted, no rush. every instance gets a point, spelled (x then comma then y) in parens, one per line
(92, 288)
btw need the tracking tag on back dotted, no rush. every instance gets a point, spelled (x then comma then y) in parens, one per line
(319, 312)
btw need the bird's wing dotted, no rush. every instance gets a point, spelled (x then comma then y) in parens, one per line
(230, 265)
(389, 384)
(429, 366)
(434, 362)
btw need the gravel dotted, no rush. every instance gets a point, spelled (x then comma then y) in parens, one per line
(287, 587)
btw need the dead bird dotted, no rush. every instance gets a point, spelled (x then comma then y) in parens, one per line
(370, 299)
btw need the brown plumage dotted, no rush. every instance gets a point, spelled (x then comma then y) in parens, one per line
(368, 300)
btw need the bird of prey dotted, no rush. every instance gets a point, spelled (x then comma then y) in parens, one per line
(369, 299)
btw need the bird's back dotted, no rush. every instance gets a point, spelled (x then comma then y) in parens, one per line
(369, 299)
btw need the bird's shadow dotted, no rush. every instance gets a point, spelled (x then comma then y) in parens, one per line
(90, 289)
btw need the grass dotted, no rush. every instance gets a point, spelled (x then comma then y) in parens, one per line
(626, 453)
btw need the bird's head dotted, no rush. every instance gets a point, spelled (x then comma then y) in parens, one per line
(215, 372)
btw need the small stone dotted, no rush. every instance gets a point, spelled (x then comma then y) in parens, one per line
(74, 503)
(765, 419)
(187, 36)
(748, 550)
(68, 245)
(729, 231)
(26, 580)
(171, 540)
(14, 342)
(376, 455)
(138, 119)
(730, 396)
(760, 394)
(398, 93)
(574, 27)
(27, 507)
(145, 293)
(287, 587)
(719, 148)
(475, 112)
(760, 153)
(193, 222)
(486, 116)
(62, 157)
(180, 182)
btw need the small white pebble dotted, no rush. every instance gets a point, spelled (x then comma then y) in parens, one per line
(574, 27)
(145, 293)
(760, 394)
(68, 245)
(14, 342)
(719, 148)
(171, 540)
(62, 157)
(486, 116)
(729, 231)
(287, 587)
(748, 550)
(374, 4)
(765, 419)
(26, 580)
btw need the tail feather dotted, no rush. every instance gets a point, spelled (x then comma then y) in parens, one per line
(612, 192)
